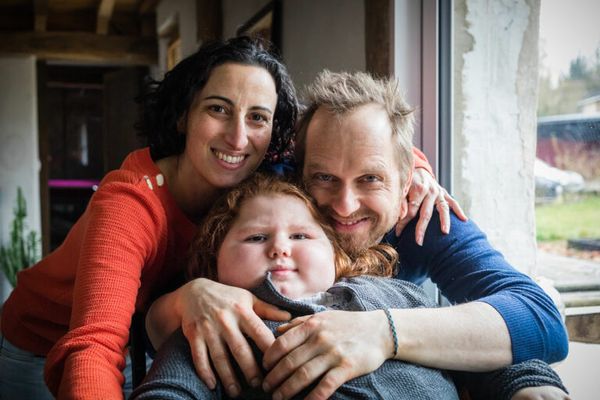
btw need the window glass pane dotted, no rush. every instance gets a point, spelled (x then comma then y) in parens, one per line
(567, 167)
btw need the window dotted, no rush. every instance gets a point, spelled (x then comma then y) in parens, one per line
(567, 166)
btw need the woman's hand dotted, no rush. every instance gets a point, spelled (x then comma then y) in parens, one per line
(424, 194)
(333, 345)
(214, 319)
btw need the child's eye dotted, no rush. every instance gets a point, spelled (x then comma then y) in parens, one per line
(255, 238)
(299, 236)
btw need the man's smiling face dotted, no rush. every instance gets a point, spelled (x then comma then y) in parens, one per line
(351, 170)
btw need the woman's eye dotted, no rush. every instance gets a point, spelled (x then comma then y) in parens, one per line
(299, 236)
(258, 118)
(255, 238)
(217, 108)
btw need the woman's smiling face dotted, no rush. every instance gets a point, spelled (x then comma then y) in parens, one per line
(277, 234)
(228, 126)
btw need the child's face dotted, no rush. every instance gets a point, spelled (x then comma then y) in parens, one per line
(277, 233)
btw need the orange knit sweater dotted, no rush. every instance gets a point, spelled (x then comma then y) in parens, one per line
(75, 305)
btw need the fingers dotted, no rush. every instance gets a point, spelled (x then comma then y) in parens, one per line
(442, 207)
(268, 311)
(256, 329)
(220, 358)
(285, 343)
(416, 197)
(329, 384)
(424, 218)
(293, 323)
(310, 372)
(201, 362)
(456, 207)
(241, 351)
(296, 370)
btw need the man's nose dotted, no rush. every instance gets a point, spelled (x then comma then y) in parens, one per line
(237, 134)
(346, 202)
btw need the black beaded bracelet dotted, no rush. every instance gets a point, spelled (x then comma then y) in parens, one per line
(393, 329)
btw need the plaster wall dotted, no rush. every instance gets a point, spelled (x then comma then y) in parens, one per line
(495, 81)
(323, 34)
(19, 159)
(237, 12)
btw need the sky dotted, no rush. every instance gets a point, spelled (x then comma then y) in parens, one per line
(568, 28)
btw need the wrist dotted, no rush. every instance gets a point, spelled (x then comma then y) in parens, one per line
(382, 331)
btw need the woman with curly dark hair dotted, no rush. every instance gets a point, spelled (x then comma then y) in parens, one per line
(210, 123)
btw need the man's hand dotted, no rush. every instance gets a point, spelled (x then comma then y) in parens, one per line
(541, 393)
(424, 194)
(214, 319)
(331, 345)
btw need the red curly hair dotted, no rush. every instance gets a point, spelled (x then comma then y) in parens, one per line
(379, 260)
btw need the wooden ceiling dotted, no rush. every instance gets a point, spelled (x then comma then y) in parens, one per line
(97, 31)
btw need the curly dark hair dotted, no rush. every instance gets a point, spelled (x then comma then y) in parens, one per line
(165, 102)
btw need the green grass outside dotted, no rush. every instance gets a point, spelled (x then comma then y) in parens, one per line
(569, 220)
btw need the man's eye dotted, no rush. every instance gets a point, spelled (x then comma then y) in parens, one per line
(371, 178)
(256, 238)
(323, 177)
(298, 236)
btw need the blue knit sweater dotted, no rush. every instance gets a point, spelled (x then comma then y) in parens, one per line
(465, 268)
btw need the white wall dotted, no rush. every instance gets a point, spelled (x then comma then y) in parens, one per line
(323, 34)
(19, 159)
(495, 112)
(237, 12)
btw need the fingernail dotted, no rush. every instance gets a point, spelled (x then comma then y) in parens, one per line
(212, 384)
(233, 390)
(255, 382)
(420, 240)
(277, 396)
(266, 387)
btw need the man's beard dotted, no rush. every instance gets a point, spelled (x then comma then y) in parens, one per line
(355, 244)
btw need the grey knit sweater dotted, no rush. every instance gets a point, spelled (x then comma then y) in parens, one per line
(173, 376)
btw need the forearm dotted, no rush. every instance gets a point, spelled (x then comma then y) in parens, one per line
(468, 337)
(466, 268)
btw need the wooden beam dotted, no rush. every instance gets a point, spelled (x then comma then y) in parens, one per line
(584, 328)
(105, 10)
(209, 20)
(80, 46)
(379, 37)
(40, 15)
(147, 6)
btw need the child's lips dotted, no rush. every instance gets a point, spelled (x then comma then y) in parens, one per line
(282, 271)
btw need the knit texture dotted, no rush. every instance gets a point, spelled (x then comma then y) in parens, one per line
(172, 375)
(504, 383)
(75, 305)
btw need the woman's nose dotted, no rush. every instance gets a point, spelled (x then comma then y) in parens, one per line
(237, 134)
